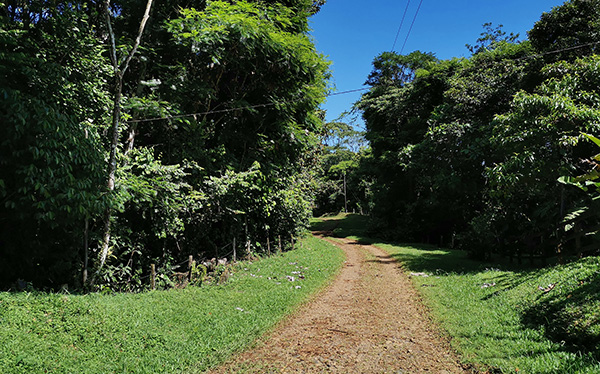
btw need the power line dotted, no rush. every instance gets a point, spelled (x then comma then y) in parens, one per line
(401, 23)
(221, 111)
(558, 51)
(201, 113)
(411, 26)
(335, 93)
(347, 92)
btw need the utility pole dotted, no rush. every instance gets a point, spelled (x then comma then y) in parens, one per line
(345, 197)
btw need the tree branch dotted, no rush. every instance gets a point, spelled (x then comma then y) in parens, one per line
(111, 34)
(138, 39)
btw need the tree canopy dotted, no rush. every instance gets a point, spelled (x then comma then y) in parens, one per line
(218, 138)
(470, 151)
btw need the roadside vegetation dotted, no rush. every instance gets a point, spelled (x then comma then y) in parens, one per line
(210, 136)
(502, 317)
(172, 331)
(214, 145)
(476, 151)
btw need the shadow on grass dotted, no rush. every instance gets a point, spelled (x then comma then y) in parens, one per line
(551, 314)
(341, 225)
(571, 312)
(418, 257)
(415, 257)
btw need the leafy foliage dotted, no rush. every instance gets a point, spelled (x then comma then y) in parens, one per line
(569, 31)
(490, 38)
(185, 184)
(589, 181)
(52, 83)
(471, 149)
(540, 138)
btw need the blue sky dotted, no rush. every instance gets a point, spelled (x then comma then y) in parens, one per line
(352, 32)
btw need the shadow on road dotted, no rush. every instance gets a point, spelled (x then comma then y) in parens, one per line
(417, 257)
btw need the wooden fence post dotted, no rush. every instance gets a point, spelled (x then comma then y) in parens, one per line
(280, 248)
(532, 256)
(268, 245)
(246, 235)
(86, 248)
(234, 254)
(578, 235)
(153, 277)
(561, 260)
(190, 263)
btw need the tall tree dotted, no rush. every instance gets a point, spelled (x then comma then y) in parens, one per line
(475, 146)
(213, 132)
(540, 141)
(120, 68)
(53, 83)
(568, 31)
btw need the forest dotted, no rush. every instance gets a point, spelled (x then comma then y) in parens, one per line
(495, 153)
(138, 133)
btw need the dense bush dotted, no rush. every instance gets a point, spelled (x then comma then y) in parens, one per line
(216, 141)
(470, 151)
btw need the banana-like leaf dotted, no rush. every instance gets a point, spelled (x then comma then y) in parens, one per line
(592, 138)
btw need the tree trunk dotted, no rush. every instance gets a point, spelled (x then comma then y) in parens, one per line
(119, 70)
(345, 196)
(86, 248)
(130, 140)
(112, 167)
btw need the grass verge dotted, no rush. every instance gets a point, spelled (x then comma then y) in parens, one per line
(497, 316)
(176, 331)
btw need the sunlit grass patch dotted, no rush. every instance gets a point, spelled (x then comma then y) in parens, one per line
(341, 225)
(162, 331)
(505, 319)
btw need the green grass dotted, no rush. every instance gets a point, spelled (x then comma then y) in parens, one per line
(511, 325)
(508, 325)
(176, 331)
(341, 225)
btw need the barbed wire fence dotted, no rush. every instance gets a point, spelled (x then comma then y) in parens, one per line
(189, 264)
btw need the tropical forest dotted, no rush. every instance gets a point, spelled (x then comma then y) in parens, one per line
(175, 197)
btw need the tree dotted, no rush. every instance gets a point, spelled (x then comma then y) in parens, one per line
(120, 68)
(490, 38)
(243, 162)
(430, 139)
(397, 120)
(540, 141)
(184, 183)
(390, 68)
(474, 147)
(53, 83)
(568, 31)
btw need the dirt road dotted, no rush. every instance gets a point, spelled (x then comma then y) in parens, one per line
(370, 320)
